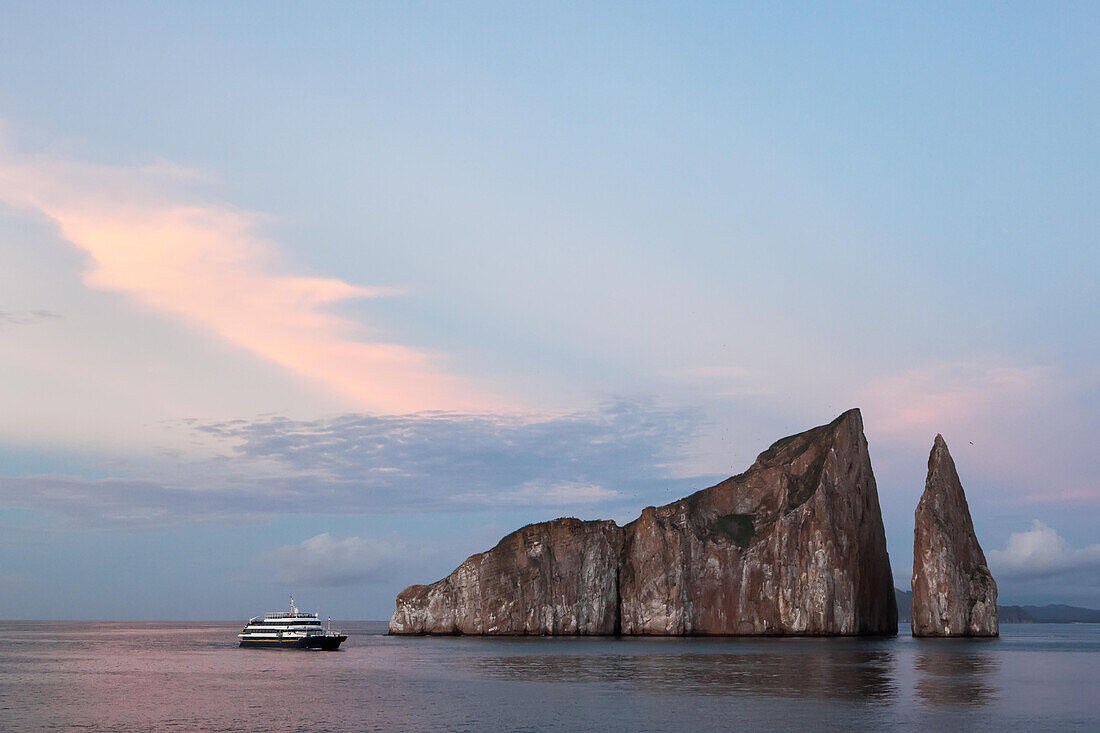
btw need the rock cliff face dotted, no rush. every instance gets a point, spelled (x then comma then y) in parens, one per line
(954, 593)
(795, 545)
(559, 577)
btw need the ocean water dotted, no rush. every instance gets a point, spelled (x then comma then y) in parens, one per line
(190, 676)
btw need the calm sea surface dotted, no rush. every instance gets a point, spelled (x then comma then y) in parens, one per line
(190, 676)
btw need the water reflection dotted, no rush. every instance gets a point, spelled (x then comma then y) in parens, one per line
(191, 676)
(962, 676)
(834, 675)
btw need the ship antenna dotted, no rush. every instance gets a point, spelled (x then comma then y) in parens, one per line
(292, 608)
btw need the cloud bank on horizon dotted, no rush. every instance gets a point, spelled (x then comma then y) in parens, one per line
(618, 456)
(1041, 553)
(323, 560)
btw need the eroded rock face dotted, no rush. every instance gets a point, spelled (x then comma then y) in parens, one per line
(559, 577)
(795, 545)
(954, 593)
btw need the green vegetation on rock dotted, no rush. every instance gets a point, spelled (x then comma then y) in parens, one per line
(737, 528)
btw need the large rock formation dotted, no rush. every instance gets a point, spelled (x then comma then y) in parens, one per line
(559, 577)
(954, 593)
(795, 545)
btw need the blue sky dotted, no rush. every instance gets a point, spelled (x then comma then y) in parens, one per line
(353, 290)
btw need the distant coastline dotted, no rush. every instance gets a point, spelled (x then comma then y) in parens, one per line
(1049, 614)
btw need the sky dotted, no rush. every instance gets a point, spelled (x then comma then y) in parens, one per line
(321, 299)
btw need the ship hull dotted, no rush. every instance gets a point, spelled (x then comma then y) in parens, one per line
(326, 643)
(322, 643)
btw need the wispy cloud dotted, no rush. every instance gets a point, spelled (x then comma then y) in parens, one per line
(723, 381)
(208, 265)
(381, 463)
(26, 318)
(1040, 553)
(536, 493)
(324, 560)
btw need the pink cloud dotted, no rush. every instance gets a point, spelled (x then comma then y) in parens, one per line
(207, 266)
(916, 404)
(1022, 430)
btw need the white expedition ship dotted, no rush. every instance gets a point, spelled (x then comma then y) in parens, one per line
(293, 630)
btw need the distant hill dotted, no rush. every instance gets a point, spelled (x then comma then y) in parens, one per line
(1059, 614)
(1014, 615)
(1053, 614)
(905, 605)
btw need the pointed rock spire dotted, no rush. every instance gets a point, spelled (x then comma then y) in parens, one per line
(954, 593)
